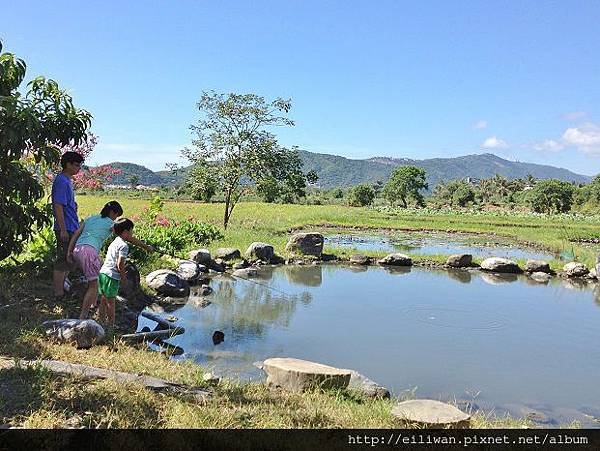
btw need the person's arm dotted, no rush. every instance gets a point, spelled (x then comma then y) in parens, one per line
(60, 219)
(140, 243)
(74, 240)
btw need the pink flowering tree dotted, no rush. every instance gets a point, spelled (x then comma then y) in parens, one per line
(94, 178)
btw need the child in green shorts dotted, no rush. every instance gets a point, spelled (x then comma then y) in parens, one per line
(113, 270)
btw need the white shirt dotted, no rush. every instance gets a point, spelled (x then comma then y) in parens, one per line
(118, 248)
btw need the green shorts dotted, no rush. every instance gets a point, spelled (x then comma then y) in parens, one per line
(107, 286)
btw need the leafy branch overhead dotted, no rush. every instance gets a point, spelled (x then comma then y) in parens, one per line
(33, 126)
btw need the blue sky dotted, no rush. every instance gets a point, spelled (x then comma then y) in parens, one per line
(366, 78)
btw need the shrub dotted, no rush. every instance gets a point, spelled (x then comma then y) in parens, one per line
(551, 196)
(361, 195)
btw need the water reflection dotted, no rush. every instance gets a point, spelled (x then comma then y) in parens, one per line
(497, 278)
(305, 275)
(459, 275)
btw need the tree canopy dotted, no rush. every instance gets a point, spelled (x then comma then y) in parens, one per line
(404, 184)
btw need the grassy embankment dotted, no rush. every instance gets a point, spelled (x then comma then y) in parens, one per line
(37, 398)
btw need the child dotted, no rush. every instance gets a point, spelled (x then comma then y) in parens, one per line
(113, 270)
(85, 245)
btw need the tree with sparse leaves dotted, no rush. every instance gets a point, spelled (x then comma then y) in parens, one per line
(233, 143)
(34, 126)
(404, 185)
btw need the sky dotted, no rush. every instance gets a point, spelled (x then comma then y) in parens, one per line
(419, 79)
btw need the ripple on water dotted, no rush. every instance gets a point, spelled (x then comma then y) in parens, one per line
(457, 319)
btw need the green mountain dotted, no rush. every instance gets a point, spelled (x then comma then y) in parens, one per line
(336, 171)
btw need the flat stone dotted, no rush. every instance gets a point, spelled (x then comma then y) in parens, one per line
(190, 271)
(429, 413)
(502, 265)
(83, 332)
(310, 243)
(260, 251)
(537, 266)
(459, 260)
(245, 273)
(211, 379)
(227, 253)
(167, 283)
(575, 269)
(541, 277)
(299, 375)
(241, 265)
(358, 259)
(201, 256)
(367, 387)
(396, 259)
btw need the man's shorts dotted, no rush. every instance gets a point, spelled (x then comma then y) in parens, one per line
(107, 286)
(60, 262)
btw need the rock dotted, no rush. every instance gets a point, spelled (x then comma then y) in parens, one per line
(201, 256)
(227, 253)
(428, 413)
(306, 244)
(541, 277)
(245, 273)
(298, 375)
(199, 302)
(241, 265)
(366, 386)
(460, 260)
(593, 273)
(83, 332)
(167, 283)
(218, 337)
(358, 259)
(190, 271)
(537, 266)
(396, 259)
(217, 265)
(131, 285)
(575, 269)
(502, 265)
(260, 251)
(211, 379)
(205, 290)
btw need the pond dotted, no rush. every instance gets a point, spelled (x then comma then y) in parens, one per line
(435, 243)
(499, 342)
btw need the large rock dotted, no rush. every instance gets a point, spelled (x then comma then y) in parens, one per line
(537, 266)
(190, 271)
(540, 277)
(396, 259)
(245, 273)
(201, 256)
(306, 244)
(167, 283)
(427, 413)
(298, 375)
(366, 386)
(83, 332)
(497, 264)
(260, 251)
(575, 269)
(131, 285)
(459, 260)
(227, 253)
(358, 259)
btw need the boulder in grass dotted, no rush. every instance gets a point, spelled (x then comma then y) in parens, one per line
(201, 256)
(537, 266)
(83, 332)
(575, 269)
(260, 251)
(459, 261)
(502, 265)
(299, 375)
(306, 243)
(227, 253)
(190, 271)
(167, 283)
(396, 259)
(428, 413)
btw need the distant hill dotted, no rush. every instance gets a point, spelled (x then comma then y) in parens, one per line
(336, 171)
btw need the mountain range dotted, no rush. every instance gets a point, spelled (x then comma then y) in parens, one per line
(337, 171)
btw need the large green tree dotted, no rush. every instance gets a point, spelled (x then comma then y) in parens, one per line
(234, 142)
(404, 184)
(33, 126)
(551, 196)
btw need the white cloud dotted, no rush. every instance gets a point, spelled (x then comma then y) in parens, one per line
(574, 115)
(480, 124)
(548, 145)
(585, 138)
(494, 143)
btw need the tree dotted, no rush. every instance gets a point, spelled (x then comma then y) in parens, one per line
(404, 184)
(94, 178)
(134, 180)
(201, 182)
(337, 193)
(34, 126)
(361, 195)
(232, 141)
(551, 196)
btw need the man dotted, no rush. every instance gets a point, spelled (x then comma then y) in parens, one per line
(66, 222)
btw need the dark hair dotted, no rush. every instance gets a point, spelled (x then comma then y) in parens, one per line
(70, 157)
(113, 206)
(122, 224)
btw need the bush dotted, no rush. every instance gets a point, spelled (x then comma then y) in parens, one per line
(361, 195)
(551, 196)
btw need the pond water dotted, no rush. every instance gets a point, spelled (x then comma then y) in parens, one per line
(501, 343)
(435, 243)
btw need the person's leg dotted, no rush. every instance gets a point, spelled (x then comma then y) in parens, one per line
(110, 307)
(58, 282)
(102, 310)
(61, 266)
(89, 299)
